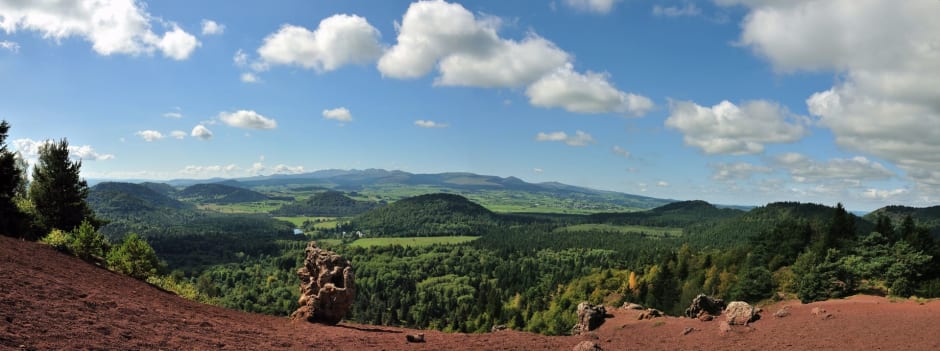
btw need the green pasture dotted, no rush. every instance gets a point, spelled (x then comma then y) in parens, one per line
(413, 241)
(654, 231)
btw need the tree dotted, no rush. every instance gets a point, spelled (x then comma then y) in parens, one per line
(134, 257)
(57, 191)
(87, 243)
(10, 182)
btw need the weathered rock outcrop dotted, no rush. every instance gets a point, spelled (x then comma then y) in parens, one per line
(650, 313)
(740, 313)
(327, 286)
(587, 346)
(704, 304)
(589, 317)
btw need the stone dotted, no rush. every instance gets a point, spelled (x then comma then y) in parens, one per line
(783, 312)
(415, 337)
(650, 314)
(498, 327)
(688, 330)
(327, 287)
(704, 303)
(632, 306)
(740, 313)
(589, 317)
(587, 346)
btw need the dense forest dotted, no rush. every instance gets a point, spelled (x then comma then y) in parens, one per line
(527, 271)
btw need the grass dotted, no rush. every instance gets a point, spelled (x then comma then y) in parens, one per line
(298, 221)
(412, 241)
(244, 207)
(654, 231)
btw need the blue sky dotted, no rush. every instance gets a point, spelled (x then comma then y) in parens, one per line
(730, 101)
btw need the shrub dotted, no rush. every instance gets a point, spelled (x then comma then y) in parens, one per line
(58, 239)
(134, 257)
(87, 243)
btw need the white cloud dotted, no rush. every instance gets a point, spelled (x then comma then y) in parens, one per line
(210, 27)
(175, 115)
(846, 170)
(285, 169)
(883, 194)
(249, 77)
(10, 45)
(149, 135)
(620, 151)
(595, 6)
(538, 170)
(339, 40)
(584, 93)
(662, 184)
(429, 124)
(178, 134)
(247, 119)
(508, 64)
(211, 171)
(339, 114)
(690, 9)
(240, 58)
(579, 139)
(201, 132)
(112, 26)
(737, 170)
(256, 168)
(738, 130)
(30, 149)
(886, 100)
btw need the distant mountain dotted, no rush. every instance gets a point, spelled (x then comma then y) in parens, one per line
(676, 214)
(325, 204)
(220, 194)
(427, 215)
(124, 198)
(161, 188)
(922, 216)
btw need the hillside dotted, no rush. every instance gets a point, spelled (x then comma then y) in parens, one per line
(923, 216)
(220, 194)
(52, 301)
(427, 215)
(325, 204)
(677, 214)
(123, 198)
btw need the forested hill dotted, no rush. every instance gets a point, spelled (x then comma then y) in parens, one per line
(427, 215)
(220, 194)
(925, 216)
(325, 204)
(677, 214)
(113, 197)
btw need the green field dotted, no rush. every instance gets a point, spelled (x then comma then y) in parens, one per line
(413, 241)
(299, 220)
(654, 231)
(243, 207)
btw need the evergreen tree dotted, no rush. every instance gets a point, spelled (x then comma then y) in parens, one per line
(10, 182)
(57, 191)
(134, 257)
(87, 243)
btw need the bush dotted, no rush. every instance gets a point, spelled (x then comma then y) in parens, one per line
(87, 243)
(134, 257)
(58, 239)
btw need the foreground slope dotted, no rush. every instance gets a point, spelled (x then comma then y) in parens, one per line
(51, 301)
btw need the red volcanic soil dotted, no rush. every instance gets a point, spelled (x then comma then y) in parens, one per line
(52, 301)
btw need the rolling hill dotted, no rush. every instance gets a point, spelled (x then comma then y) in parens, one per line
(123, 198)
(923, 216)
(325, 204)
(427, 215)
(218, 193)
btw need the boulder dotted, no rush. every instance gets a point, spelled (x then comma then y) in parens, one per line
(632, 306)
(327, 287)
(587, 346)
(415, 337)
(783, 312)
(740, 313)
(589, 317)
(650, 313)
(704, 303)
(498, 327)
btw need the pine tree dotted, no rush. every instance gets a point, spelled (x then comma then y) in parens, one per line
(10, 182)
(134, 257)
(57, 191)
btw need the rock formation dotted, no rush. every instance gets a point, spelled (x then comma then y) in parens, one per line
(589, 317)
(740, 313)
(650, 313)
(632, 306)
(587, 346)
(327, 287)
(704, 304)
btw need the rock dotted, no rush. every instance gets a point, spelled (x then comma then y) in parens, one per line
(783, 312)
(632, 306)
(497, 328)
(704, 303)
(818, 311)
(415, 337)
(327, 287)
(589, 317)
(587, 346)
(650, 314)
(688, 330)
(705, 317)
(740, 313)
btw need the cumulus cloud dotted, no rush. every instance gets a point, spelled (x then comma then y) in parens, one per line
(210, 171)
(112, 26)
(247, 119)
(10, 45)
(594, 6)
(848, 170)
(727, 128)
(662, 184)
(737, 170)
(883, 194)
(30, 149)
(175, 115)
(578, 139)
(248, 77)
(337, 41)
(210, 27)
(429, 124)
(178, 134)
(620, 151)
(690, 10)
(886, 101)
(201, 132)
(149, 135)
(339, 114)
(584, 93)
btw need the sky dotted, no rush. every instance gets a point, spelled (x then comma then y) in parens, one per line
(730, 101)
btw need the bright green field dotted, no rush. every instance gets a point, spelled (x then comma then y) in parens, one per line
(299, 220)
(244, 207)
(414, 241)
(655, 231)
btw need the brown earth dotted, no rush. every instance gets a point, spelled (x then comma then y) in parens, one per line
(51, 301)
